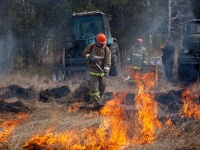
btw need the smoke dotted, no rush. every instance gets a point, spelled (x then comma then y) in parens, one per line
(7, 51)
(153, 24)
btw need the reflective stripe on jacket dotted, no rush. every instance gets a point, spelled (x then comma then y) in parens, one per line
(137, 56)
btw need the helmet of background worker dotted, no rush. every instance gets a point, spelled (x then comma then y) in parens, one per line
(139, 40)
(101, 38)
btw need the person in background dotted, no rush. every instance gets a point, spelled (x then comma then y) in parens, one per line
(168, 58)
(137, 58)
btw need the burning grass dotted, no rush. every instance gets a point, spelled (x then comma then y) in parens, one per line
(114, 131)
(8, 126)
(190, 98)
(111, 133)
(146, 109)
(53, 126)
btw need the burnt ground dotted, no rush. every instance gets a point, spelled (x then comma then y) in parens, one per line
(15, 99)
(169, 102)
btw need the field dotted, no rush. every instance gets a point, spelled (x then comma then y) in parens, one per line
(38, 114)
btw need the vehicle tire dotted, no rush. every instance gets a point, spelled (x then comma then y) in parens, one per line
(115, 59)
(188, 72)
(194, 72)
(182, 73)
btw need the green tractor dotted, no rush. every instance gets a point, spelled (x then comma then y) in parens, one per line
(85, 27)
(189, 54)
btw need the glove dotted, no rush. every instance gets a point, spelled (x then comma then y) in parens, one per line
(92, 59)
(107, 75)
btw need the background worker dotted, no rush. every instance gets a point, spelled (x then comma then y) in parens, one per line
(137, 58)
(168, 59)
(99, 57)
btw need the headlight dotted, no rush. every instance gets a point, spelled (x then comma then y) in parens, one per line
(74, 14)
(186, 50)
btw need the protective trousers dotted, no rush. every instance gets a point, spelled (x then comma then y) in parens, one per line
(97, 87)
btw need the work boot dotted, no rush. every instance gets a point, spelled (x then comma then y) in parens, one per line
(93, 105)
(101, 103)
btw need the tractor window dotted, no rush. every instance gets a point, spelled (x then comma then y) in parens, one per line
(87, 26)
(194, 28)
(107, 27)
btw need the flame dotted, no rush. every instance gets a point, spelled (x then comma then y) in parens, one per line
(8, 126)
(190, 108)
(110, 135)
(74, 107)
(116, 128)
(168, 122)
(114, 120)
(146, 108)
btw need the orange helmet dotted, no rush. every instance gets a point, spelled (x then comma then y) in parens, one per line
(101, 38)
(139, 40)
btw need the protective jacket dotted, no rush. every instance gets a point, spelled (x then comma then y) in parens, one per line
(137, 56)
(102, 58)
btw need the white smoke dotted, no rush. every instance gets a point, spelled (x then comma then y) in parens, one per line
(7, 51)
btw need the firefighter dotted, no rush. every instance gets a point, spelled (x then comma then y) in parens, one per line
(137, 58)
(99, 62)
(168, 59)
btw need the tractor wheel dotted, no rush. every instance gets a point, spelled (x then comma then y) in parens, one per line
(188, 72)
(115, 59)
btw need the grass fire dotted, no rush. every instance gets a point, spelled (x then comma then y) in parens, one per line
(116, 130)
(137, 120)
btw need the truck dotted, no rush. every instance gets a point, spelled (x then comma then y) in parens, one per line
(189, 53)
(85, 26)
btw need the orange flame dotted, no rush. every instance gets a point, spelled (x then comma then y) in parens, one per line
(190, 108)
(146, 108)
(114, 120)
(74, 107)
(110, 135)
(116, 128)
(7, 128)
(169, 122)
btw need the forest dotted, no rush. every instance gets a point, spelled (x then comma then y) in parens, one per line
(32, 31)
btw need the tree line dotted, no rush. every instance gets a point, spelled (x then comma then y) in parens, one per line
(33, 30)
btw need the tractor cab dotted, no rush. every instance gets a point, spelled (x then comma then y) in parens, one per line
(87, 25)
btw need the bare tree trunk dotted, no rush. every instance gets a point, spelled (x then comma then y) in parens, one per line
(9, 37)
(169, 16)
(2, 33)
(1, 43)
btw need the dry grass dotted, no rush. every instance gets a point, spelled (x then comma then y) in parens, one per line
(50, 116)
(182, 136)
(38, 82)
(174, 138)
